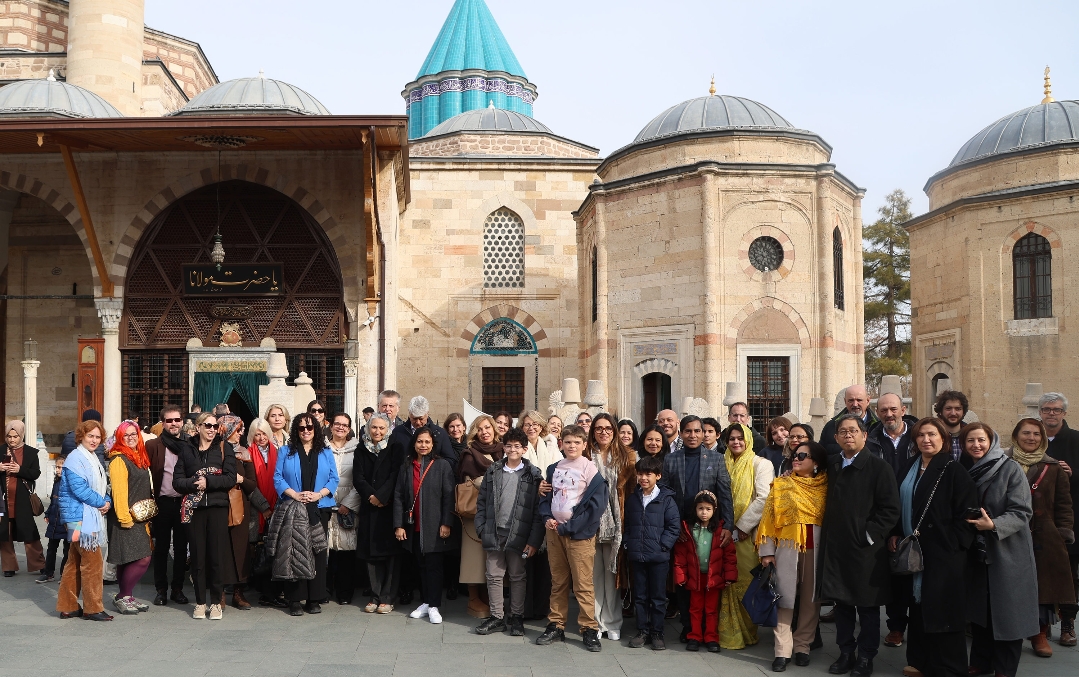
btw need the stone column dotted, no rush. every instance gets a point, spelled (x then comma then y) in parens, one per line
(601, 333)
(352, 372)
(825, 298)
(712, 338)
(109, 310)
(29, 379)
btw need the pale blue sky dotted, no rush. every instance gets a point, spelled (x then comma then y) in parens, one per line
(895, 88)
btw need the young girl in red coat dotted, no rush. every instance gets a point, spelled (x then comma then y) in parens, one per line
(704, 567)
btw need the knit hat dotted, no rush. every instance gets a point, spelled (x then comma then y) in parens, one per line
(91, 415)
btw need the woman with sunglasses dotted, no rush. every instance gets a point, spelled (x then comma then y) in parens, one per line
(306, 474)
(615, 462)
(317, 408)
(204, 474)
(786, 537)
(797, 435)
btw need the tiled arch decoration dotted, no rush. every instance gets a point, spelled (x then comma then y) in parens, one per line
(769, 302)
(1031, 227)
(788, 254)
(53, 198)
(335, 232)
(655, 364)
(464, 341)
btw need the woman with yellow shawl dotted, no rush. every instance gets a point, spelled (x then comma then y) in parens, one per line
(786, 537)
(751, 480)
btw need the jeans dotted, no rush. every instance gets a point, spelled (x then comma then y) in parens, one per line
(868, 641)
(650, 595)
(499, 564)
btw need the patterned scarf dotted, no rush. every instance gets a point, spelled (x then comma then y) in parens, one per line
(190, 501)
(793, 503)
(741, 471)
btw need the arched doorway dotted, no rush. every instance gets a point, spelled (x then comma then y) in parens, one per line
(657, 395)
(304, 315)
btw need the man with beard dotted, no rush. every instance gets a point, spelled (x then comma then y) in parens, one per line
(856, 399)
(950, 408)
(166, 527)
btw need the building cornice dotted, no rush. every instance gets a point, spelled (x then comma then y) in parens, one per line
(1006, 195)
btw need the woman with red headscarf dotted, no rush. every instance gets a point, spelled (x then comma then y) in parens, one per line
(129, 537)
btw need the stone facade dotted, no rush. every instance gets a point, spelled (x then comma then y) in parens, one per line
(543, 145)
(36, 25)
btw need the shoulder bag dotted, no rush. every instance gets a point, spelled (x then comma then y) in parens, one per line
(410, 518)
(236, 498)
(146, 509)
(36, 506)
(761, 599)
(467, 493)
(907, 558)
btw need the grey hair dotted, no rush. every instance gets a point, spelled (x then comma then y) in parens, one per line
(1053, 397)
(419, 406)
(257, 425)
(378, 416)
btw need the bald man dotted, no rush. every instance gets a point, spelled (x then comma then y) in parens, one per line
(667, 420)
(856, 397)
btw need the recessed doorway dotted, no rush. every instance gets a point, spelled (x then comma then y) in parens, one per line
(657, 395)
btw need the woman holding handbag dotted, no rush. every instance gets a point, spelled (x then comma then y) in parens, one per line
(936, 496)
(19, 469)
(133, 507)
(484, 448)
(246, 504)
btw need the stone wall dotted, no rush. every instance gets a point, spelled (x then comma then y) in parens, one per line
(500, 144)
(36, 25)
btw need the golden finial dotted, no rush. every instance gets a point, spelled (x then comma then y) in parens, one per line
(1048, 88)
(712, 87)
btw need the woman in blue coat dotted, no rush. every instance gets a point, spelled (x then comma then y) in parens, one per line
(306, 472)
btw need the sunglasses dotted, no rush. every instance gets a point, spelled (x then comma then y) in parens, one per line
(801, 456)
(316, 411)
(173, 420)
(302, 428)
(209, 426)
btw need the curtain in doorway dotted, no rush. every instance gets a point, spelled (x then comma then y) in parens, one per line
(213, 388)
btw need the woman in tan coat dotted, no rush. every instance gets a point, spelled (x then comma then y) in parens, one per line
(1052, 526)
(484, 448)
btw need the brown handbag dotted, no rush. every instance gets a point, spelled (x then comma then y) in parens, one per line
(467, 495)
(236, 499)
(38, 508)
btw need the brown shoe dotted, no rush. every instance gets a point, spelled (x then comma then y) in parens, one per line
(239, 602)
(828, 617)
(1067, 633)
(911, 671)
(1041, 645)
(476, 607)
(894, 638)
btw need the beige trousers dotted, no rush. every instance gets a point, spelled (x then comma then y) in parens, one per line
(798, 641)
(571, 562)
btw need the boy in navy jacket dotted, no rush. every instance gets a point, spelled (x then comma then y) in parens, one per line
(571, 511)
(652, 524)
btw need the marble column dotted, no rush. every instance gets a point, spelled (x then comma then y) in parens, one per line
(352, 372)
(109, 310)
(29, 379)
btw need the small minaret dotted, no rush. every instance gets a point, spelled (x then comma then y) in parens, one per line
(104, 50)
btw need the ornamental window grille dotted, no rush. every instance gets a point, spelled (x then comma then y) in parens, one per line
(503, 251)
(503, 336)
(1032, 269)
(837, 269)
(765, 253)
(768, 389)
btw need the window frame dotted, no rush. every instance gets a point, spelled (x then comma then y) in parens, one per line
(1033, 255)
(838, 291)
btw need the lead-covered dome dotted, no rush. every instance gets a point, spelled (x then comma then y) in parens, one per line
(490, 119)
(50, 98)
(711, 113)
(253, 96)
(1046, 124)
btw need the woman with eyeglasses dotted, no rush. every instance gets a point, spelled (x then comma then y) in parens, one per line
(278, 418)
(786, 537)
(342, 525)
(306, 479)
(244, 535)
(204, 474)
(317, 408)
(615, 462)
(130, 548)
(797, 435)
(541, 451)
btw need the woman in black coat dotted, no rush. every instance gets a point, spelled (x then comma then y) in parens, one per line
(19, 469)
(936, 643)
(374, 473)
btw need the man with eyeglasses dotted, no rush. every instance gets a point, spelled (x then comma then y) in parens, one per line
(856, 399)
(1064, 447)
(166, 527)
(862, 509)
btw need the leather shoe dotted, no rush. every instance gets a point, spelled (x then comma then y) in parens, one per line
(491, 626)
(780, 664)
(713, 647)
(693, 645)
(295, 609)
(828, 617)
(552, 633)
(162, 598)
(178, 596)
(99, 616)
(591, 640)
(842, 665)
(801, 659)
(313, 608)
(239, 602)
(864, 668)
(894, 638)
(9, 574)
(74, 614)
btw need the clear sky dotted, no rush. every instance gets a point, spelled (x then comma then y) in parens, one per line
(896, 88)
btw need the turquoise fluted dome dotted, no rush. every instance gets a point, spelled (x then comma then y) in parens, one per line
(470, 39)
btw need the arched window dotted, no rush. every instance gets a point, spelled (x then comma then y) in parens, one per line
(595, 284)
(503, 336)
(837, 268)
(1032, 269)
(503, 251)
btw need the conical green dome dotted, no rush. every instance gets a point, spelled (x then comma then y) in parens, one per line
(470, 38)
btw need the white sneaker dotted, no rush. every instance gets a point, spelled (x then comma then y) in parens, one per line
(421, 611)
(199, 613)
(613, 635)
(215, 612)
(433, 615)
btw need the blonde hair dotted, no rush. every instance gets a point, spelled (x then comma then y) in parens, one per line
(535, 417)
(259, 424)
(288, 417)
(203, 416)
(475, 427)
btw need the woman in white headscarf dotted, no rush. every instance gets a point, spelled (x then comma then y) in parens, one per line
(19, 469)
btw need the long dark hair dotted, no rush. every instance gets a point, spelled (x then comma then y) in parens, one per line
(664, 448)
(635, 444)
(318, 442)
(412, 455)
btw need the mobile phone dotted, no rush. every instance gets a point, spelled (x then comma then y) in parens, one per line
(974, 513)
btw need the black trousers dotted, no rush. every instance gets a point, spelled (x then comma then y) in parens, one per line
(650, 595)
(342, 574)
(868, 641)
(208, 536)
(997, 656)
(537, 586)
(167, 529)
(429, 571)
(313, 590)
(897, 608)
(936, 654)
(50, 555)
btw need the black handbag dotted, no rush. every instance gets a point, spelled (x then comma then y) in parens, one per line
(347, 522)
(263, 562)
(761, 599)
(907, 558)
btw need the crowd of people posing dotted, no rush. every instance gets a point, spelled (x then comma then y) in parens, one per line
(932, 519)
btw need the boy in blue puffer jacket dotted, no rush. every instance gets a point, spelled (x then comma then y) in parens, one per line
(652, 525)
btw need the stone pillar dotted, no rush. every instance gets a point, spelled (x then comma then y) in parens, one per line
(712, 337)
(352, 371)
(601, 342)
(109, 311)
(104, 50)
(29, 380)
(825, 298)
(1031, 399)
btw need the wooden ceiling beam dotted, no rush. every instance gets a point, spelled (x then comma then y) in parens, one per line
(107, 288)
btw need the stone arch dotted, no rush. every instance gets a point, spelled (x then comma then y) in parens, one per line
(1030, 227)
(539, 336)
(52, 197)
(1007, 270)
(749, 201)
(768, 325)
(335, 232)
(655, 365)
(735, 327)
(509, 201)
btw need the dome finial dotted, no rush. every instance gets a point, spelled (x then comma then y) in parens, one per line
(1048, 88)
(52, 75)
(712, 87)
(262, 74)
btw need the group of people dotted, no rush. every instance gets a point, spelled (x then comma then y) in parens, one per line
(937, 522)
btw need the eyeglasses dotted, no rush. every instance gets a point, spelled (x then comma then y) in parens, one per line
(316, 411)
(847, 433)
(209, 426)
(302, 428)
(606, 429)
(1052, 410)
(801, 456)
(340, 425)
(797, 437)
(530, 424)
(173, 420)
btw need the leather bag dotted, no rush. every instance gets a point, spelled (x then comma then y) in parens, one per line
(38, 508)
(907, 558)
(467, 495)
(761, 600)
(236, 499)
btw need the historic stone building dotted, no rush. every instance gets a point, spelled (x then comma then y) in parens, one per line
(992, 264)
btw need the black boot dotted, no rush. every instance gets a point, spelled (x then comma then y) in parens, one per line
(864, 668)
(780, 664)
(842, 665)
(552, 633)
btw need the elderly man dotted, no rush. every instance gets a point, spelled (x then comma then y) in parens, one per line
(862, 509)
(389, 403)
(856, 400)
(739, 413)
(1064, 447)
(418, 417)
(667, 420)
(951, 406)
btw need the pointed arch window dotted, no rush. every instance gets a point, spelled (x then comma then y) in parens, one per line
(837, 269)
(503, 251)
(1032, 270)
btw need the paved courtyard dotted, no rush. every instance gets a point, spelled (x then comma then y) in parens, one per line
(343, 640)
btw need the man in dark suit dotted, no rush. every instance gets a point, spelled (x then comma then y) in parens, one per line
(418, 417)
(1064, 447)
(166, 527)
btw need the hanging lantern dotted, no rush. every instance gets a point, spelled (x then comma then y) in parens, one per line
(217, 254)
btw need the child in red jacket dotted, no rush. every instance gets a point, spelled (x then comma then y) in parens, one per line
(704, 567)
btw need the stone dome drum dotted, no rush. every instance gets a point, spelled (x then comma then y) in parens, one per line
(490, 120)
(253, 96)
(712, 113)
(51, 98)
(1046, 124)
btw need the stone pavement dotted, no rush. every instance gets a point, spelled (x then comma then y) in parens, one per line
(344, 640)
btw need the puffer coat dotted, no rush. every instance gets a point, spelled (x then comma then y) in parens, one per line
(651, 531)
(526, 526)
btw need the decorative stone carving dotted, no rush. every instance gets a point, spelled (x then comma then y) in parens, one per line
(109, 310)
(230, 335)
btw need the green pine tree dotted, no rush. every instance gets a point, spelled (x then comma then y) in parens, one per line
(886, 274)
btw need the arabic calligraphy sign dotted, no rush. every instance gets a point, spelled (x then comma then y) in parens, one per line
(232, 280)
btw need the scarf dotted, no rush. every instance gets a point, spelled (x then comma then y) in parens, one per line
(173, 443)
(264, 471)
(136, 455)
(84, 463)
(793, 503)
(984, 469)
(191, 501)
(374, 447)
(495, 449)
(20, 429)
(227, 424)
(1026, 459)
(741, 471)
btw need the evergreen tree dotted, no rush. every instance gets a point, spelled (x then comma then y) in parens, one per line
(886, 274)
